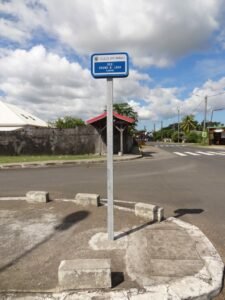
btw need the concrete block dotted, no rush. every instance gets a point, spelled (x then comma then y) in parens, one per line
(37, 197)
(85, 274)
(87, 199)
(147, 211)
(160, 214)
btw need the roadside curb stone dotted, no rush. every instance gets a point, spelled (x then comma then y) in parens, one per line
(37, 197)
(85, 199)
(85, 273)
(66, 162)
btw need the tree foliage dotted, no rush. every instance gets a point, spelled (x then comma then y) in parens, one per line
(188, 123)
(68, 122)
(194, 137)
(126, 110)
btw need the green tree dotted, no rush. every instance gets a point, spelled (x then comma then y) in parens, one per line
(68, 122)
(126, 110)
(188, 123)
(175, 137)
(194, 137)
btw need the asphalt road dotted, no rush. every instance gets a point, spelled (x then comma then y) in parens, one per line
(188, 186)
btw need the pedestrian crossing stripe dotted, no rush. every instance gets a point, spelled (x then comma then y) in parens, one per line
(198, 153)
(205, 153)
(217, 153)
(171, 145)
(192, 153)
(180, 154)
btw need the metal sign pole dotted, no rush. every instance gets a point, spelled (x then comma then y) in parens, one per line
(110, 218)
(110, 65)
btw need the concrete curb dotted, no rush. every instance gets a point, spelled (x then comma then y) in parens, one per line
(204, 285)
(67, 162)
(207, 283)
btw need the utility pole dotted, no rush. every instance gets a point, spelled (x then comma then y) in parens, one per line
(161, 130)
(178, 127)
(205, 113)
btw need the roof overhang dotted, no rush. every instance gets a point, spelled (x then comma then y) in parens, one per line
(115, 115)
(10, 128)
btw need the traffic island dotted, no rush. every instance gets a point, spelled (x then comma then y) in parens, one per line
(163, 260)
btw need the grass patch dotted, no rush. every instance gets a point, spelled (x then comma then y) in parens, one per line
(41, 158)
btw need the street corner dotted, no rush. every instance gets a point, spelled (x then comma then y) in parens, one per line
(63, 250)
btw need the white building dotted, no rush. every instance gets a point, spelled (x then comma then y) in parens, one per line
(13, 118)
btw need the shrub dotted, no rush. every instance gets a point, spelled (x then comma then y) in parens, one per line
(193, 137)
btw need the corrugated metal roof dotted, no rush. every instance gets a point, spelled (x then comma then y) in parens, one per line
(116, 115)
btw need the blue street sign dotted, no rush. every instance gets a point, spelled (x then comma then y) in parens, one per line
(104, 65)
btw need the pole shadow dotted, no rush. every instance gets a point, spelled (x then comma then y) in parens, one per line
(187, 211)
(67, 222)
(133, 230)
(72, 219)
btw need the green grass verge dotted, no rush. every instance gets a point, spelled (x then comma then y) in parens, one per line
(41, 158)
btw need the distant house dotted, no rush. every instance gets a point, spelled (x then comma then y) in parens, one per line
(14, 118)
(216, 135)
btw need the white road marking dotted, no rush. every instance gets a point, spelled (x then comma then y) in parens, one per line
(217, 153)
(192, 153)
(204, 153)
(180, 154)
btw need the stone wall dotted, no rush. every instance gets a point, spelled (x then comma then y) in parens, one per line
(79, 140)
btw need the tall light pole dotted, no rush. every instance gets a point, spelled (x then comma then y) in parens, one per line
(161, 130)
(205, 113)
(215, 110)
(178, 127)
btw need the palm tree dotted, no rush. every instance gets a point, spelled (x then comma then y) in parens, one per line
(188, 123)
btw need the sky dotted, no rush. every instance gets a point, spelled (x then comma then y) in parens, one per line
(176, 51)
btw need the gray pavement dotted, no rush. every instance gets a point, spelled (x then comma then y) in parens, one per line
(167, 260)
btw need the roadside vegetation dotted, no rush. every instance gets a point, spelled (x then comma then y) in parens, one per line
(67, 122)
(190, 131)
(43, 158)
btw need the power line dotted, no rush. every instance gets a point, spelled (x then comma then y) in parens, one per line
(216, 94)
(205, 99)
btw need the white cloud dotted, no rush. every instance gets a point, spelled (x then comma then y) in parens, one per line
(153, 32)
(195, 104)
(51, 86)
(159, 104)
(48, 84)
(21, 18)
(9, 31)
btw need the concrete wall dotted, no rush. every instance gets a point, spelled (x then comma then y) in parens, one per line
(79, 140)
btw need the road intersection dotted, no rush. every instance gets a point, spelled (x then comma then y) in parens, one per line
(190, 187)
